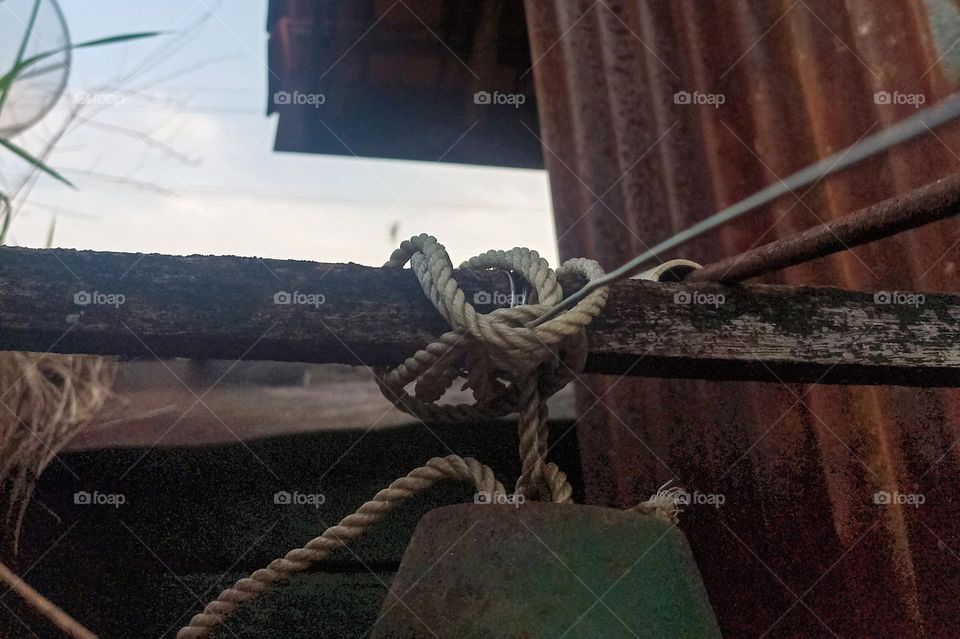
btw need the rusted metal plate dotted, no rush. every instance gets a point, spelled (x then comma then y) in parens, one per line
(546, 570)
(800, 548)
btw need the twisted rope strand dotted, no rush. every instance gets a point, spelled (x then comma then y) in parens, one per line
(508, 366)
(349, 528)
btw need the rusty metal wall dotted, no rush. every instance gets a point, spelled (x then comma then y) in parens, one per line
(799, 548)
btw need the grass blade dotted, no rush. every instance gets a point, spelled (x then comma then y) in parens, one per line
(6, 211)
(16, 150)
(125, 37)
(6, 80)
(5, 87)
(50, 232)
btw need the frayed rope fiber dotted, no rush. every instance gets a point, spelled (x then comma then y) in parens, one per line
(510, 368)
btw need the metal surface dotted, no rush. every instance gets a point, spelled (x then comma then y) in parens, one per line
(412, 80)
(800, 548)
(546, 570)
(921, 124)
(929, 203)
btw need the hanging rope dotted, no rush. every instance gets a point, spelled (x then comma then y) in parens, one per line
(349, 528)
(508, 366)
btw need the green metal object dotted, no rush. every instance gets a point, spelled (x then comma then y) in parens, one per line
(546, 570)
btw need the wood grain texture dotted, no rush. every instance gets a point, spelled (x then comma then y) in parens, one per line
(223, 308)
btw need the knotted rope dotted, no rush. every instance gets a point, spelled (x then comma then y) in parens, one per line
(508, 366)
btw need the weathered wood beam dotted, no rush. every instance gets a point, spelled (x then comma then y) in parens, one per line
(223, 308)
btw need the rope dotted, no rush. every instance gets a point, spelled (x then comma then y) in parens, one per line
(349, 528)
(509, 367)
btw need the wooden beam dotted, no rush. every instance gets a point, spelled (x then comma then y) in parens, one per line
(223, 308)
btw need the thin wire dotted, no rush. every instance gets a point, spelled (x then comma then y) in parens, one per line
(923, 122)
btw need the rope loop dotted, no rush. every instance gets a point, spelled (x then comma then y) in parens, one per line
(492, 351)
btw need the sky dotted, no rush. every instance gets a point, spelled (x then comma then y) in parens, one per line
(177, 158)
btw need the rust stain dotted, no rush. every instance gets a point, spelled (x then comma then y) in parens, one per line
(799, 464)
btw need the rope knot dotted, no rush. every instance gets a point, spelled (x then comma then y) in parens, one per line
(508, 366)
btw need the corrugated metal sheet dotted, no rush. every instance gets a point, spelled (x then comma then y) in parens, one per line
(799, 549)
